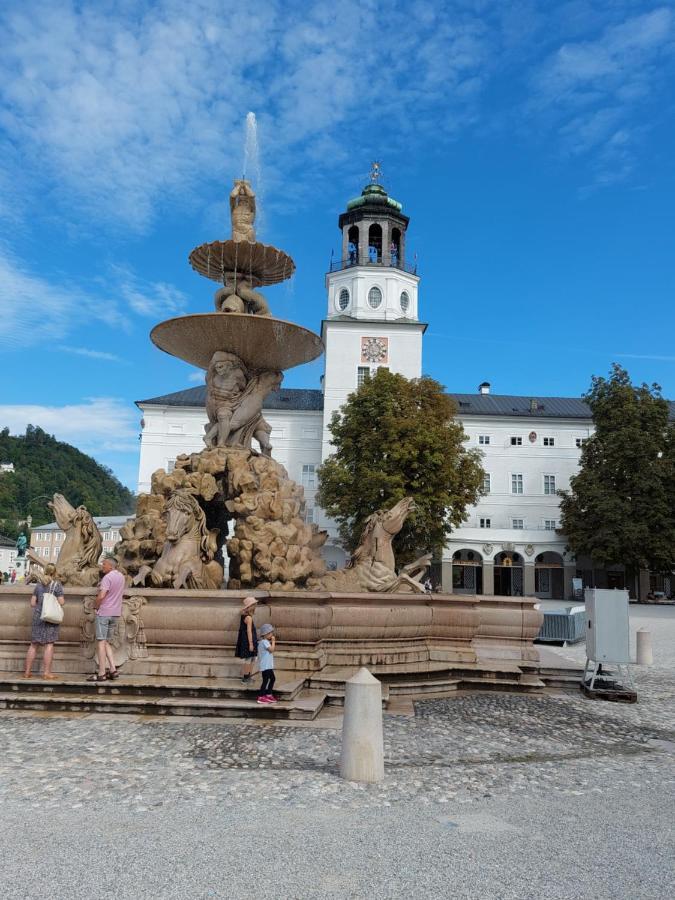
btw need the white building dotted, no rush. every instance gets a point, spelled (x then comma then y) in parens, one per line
(8, 557)
(510, 543)
(46, 540)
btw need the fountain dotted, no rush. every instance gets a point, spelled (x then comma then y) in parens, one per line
(233, 498)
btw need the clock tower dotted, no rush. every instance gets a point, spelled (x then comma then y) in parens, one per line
(372, 293)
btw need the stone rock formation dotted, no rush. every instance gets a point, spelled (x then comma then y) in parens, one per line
(77, 563)
(271, 546)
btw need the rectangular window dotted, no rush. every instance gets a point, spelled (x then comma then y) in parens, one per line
(516, 484)
(516, 441)
(170, 465)
(549, 484)
(309, 514)
(549, 442)
(485, 523)
(579, 442)
(549, 525)
(309, 475)
(486, 482)
(517, 523)
(483, 438)
(362, 374)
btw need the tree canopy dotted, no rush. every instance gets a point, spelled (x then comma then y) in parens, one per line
(393, 438)
(43, 466)
(620, 508)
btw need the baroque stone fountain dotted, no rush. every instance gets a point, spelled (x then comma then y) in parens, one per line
(177, 537)
(233, 498)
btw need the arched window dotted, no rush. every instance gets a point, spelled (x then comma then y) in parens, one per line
(343, 299)
(405, 301)
(375, 243)
(374, 297)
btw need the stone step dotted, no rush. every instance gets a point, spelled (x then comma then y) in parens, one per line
(306, 706)
(154, 686)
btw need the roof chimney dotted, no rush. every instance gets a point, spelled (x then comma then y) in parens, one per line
(534, 405)
(484, 387)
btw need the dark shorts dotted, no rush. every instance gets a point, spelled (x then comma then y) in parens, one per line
(246, 654)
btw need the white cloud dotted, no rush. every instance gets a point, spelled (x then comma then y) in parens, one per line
(196, 377)
(92, 354)
(97, 425)
(33, 309)
(125, 108)
(596, 90)
(149, 298)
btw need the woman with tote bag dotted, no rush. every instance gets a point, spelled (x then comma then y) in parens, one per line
(43, 631)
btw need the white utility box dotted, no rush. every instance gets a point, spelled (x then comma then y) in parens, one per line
(607, 632)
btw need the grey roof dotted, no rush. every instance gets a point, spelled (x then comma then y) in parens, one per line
(505, 405)
(6, 542)
(102, 523)
(524, 407)
(285, 398)
(467, 404)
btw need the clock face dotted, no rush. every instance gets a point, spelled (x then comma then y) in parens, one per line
(374, 350)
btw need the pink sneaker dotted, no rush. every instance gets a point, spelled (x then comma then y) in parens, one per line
(263, 700)
(271, 698)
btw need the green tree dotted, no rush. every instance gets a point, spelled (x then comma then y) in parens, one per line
(43, 465)
(620, 509)
(395, 438)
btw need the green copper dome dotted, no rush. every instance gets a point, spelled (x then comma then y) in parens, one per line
(374, 194)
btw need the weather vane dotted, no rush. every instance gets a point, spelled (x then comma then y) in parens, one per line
(375, 172)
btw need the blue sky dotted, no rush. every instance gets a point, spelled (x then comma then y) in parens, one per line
(531, 143)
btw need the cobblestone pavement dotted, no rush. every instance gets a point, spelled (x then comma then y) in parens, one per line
(466, 752)
(463, 748)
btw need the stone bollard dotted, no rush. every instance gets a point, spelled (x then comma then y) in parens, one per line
(644, 655)
(362, 756)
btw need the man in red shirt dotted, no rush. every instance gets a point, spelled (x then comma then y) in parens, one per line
(108, 610)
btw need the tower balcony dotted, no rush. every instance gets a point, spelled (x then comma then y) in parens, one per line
(337, 265)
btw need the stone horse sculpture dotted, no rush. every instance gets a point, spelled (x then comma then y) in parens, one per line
(77, 563)
(187, 558)
(373, 566)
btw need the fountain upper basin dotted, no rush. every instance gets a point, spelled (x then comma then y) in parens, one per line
(261, 342)
(258, 263)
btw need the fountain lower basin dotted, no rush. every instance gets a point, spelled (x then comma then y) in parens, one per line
(262, 342)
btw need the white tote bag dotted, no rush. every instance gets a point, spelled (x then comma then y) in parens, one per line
(52, 611)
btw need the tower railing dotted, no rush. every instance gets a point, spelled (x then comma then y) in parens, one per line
(337, 265)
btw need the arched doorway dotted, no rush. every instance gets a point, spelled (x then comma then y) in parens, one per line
(467, 572)
(549, 581)
(508, 574)
(375, 243)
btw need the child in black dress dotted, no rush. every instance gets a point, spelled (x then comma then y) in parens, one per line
(247, 639)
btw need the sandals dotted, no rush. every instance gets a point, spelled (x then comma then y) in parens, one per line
(97, 677)
(111, 676)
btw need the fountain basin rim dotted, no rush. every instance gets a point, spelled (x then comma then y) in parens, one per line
(261, 264)
(262, 342)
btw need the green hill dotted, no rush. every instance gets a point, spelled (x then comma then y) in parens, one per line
(43, 465)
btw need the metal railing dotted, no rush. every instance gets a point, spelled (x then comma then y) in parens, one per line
(337, 265)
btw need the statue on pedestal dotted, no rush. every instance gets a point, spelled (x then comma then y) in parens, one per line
(234, 400)
(21, 544)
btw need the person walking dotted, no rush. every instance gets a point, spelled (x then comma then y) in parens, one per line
(247, 639)
(266, 646)
(43, 633)
(108, 610)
